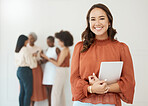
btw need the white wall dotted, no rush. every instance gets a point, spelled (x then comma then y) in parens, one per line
(45, 17)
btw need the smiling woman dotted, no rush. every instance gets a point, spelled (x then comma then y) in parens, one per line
(45, 17)
(99, 21)
(98, 45)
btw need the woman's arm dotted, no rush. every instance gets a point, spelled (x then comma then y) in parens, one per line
(127, 79)
(44, 56)
(79, 86)
(114, 88)
(97, 87)
(43, 61)
(58, 51)
(62, 57)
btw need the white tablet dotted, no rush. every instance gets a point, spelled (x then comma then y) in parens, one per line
(110, 71)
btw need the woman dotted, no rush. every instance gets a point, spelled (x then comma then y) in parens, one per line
(25, 61)
(50, 68)
(39, 91)
(98, 45)
(65, 40)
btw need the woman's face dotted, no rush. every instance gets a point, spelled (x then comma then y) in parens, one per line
(61, 43)
(50, 43)
(31, 40)
(99, 22)
(26, 42)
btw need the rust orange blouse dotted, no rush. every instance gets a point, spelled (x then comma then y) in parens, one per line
(87, 63)
(66, 61)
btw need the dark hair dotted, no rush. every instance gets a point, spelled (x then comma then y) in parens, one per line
(65, 37)
(51, 38)
(20, 42)
(88, 36)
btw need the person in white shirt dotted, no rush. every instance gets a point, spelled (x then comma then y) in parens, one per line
(65, 40)
(25, 62)
(50, 69)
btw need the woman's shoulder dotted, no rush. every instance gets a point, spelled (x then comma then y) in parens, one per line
(122, 45)
(54, 47)
(65, 50)
(24, 49)
(38, 47)
(79, 44)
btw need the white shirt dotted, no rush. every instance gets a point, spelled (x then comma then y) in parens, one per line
(34, 49)
(25, 58)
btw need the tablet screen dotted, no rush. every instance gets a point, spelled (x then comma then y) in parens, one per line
(110, 71)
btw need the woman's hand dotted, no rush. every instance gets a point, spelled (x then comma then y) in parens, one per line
(34, 54)
(92, 79)
(100, 87)
(44, 56)
(43, 61)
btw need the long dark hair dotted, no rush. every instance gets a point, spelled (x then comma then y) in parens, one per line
(88, 36)
(20, 42)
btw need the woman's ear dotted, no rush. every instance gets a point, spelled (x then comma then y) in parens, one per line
(109, 25)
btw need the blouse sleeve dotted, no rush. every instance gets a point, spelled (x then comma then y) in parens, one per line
(30, 60)
(78, 85)
(127, 79)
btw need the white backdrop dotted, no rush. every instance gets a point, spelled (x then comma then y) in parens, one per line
(45, 17)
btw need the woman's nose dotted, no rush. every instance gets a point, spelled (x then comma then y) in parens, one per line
(97, 22)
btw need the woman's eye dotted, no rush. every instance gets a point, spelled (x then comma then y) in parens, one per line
(102, 18)
(92, 19)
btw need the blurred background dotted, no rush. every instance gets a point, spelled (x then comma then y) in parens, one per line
(45, 17)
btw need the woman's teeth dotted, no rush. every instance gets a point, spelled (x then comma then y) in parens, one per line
(98, 28)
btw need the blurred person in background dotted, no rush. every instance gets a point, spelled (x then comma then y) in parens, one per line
(39, 91)
(49, 68)
(65, 40)
(26, 61)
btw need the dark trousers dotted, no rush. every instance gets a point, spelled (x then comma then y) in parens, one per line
(25, 77)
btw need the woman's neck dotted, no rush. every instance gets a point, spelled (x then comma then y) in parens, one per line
(31, 45)
(66, 48)
(102, 37)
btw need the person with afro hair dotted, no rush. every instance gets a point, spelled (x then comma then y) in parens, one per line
(65, 40)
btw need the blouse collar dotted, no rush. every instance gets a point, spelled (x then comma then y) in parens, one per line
(102, 42)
